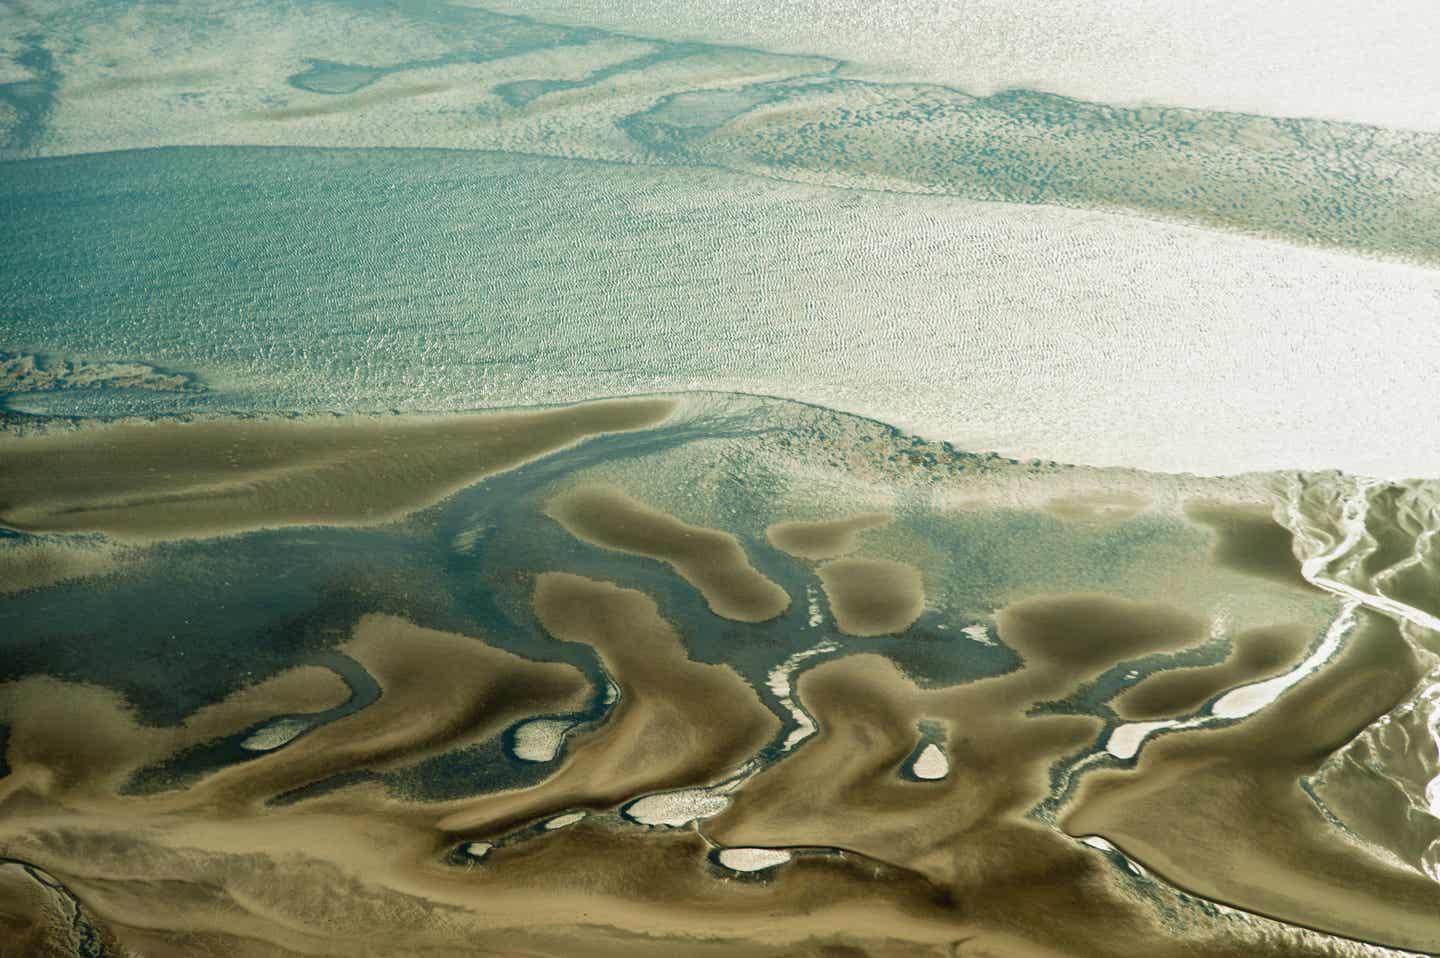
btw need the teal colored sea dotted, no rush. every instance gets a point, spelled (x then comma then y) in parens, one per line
(726, 480)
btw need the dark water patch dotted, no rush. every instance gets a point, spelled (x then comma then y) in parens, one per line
(488, 37)
(190, 765)
(200, 620)
(1094, 697)
(325, 786)
(475, 770)
(326, 76)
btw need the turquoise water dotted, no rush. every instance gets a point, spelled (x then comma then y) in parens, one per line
(622, 211)
(853, 272)
(324, 280)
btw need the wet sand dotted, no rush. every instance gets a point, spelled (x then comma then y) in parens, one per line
(969, 832)
(1258, 654)
(34, 565)
(931, 869)
(873, 596)
(1249, 540)
(1249, 834)
(40, 918)
(826, 538)
(326, 842)
(677, 722)
(145, 481)
(711, 560)
(1085, 633)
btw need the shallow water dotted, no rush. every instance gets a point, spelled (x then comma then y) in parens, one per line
(346, 610)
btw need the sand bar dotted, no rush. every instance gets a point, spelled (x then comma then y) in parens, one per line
(146, 481)
(710, 560)
(825, 539)
(873, 596)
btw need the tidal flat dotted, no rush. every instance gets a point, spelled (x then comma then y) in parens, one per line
(699, 674)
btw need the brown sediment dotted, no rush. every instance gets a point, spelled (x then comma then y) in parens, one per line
(439, 690)
(843, 787)
(710, 560)
(1097, 506)
(34, 565)
(933, 869)
(677, 721)
(40, 918)
(145, 481)
(873, 596)
(82, 740)
(826, 538)
(1258, 654)
(1220, 812)
(968, 833)
(1249, 540)
(1088, 632)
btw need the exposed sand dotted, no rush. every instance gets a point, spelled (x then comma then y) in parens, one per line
(1258, 654)
(824, 539)
(677, 722)
(1220, 812)
(39, 918)
(968, 833)
(1085, 633)
(1249, 540)
(34, 565)
(933, 868)
(873, 596)
(708, 559)
(144, 481)
(951, 864)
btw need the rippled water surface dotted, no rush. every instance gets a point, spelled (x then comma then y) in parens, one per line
(714, 481)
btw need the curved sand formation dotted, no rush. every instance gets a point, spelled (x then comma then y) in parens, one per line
(826, 538)
(853, 852)
(708, 559)
(873, 596)
(144, 481)
(1258, 654)
(1252, 836)
(677, 722)
(930, 866)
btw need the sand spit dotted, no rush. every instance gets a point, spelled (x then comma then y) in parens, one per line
(873, 596)
(708, 559)
(825, 539)
(149, 481)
